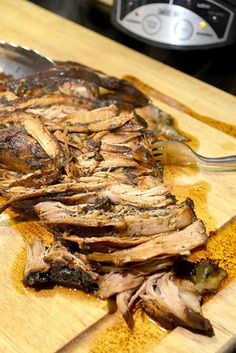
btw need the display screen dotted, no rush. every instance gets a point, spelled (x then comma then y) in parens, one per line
(188, 4)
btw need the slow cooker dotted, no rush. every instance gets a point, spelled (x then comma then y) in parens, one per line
(178, 24)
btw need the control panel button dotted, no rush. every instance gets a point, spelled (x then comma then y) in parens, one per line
(151, 24)
(184, 29)
(214, 14)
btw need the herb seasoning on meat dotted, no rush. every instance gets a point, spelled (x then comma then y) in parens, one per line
(76, 150)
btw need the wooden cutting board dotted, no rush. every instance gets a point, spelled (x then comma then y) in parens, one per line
(46, 321)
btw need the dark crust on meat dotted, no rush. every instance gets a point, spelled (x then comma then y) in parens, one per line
(61, 275)
(55, 76)
(20, 152)
(170, 321)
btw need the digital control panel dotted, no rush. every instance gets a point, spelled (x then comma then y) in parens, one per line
(175, 22)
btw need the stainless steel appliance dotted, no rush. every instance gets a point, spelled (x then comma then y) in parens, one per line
(179, 24)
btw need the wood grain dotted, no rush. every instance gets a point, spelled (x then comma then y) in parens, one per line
(44, 323)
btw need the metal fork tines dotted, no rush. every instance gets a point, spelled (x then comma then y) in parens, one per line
(178, 153)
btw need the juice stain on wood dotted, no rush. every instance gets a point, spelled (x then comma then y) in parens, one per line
(198, 191)
(119, 338)
(227, 128)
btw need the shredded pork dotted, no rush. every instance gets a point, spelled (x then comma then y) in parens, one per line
(76, 151)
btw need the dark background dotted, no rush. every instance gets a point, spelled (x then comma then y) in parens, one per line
(214, 66)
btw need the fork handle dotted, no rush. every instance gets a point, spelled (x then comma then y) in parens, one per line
(217, 164)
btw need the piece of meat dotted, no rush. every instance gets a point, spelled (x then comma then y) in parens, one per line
(143, 268)
(117, 282)
(170, 244)
(57, 265)
(36, 269)
(76, 190)
(21, 152)
(151, 222)
(104, 243)
(126, 220)
(84, 89)
(122, 302)
(134, 151)
(173, 305)
(55, 213)
(123, 87)
(40, 133)
(130, 195)
(55, 113)
(160, 122)
(47, 105)
(7, 177)
(170, 219)
(54, 81)
(36, 129)
(50, 81)
(118, 138)
(92, 116)
(109, 124)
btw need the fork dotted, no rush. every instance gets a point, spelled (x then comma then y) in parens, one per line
(178, 153)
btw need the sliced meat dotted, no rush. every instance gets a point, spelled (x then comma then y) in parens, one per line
(129, 221)
(55, 113)
(47, 105)
(151, 222)
(83, 190)
(119, 138)
(117, 282)
(130, 195)
(143, 268)
(109, 124)
(70, 269)
(105, 243)
(172, 305)
(56, 213)
(135, 152)
(93, 116)
(123, 87)
(53, 81)
(171, 244)
(122, 302)
(39, 132)
(147, 223)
